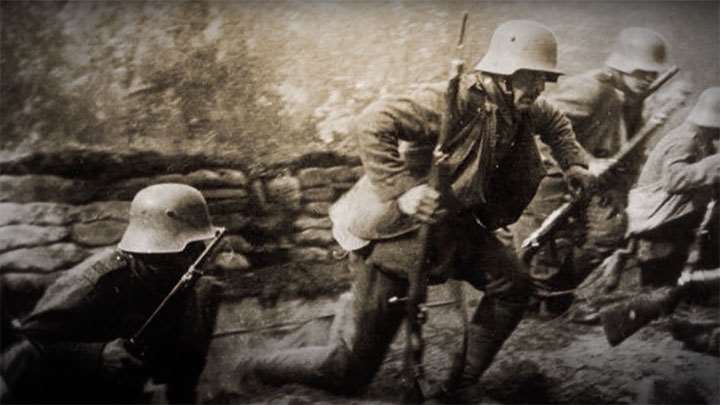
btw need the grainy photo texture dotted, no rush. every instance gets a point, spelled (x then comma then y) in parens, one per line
(224, 202)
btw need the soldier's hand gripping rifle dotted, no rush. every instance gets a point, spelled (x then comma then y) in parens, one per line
(136, 344)
(416, 387)
(557, 219)
(623, 319)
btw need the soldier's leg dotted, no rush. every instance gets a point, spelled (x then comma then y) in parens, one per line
(551, 268)
(346, 367)
(496, 269)
(605, 223)
(661, 260)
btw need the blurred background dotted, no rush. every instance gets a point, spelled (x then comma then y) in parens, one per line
(100, 99)
(270, 81)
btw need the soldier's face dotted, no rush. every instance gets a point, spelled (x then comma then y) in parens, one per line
(165, 269)
(639, 81)
(527, 85)
(714, 135)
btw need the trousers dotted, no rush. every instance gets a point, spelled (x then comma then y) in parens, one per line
(347, 366)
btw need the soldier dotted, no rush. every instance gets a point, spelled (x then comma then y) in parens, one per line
(605, 107)
(495, 170)
(679, 178)
(665, 209)
(73, 346)
(681, 175)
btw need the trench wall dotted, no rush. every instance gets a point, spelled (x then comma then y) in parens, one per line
(54, 216)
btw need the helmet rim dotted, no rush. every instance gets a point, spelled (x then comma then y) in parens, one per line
(638, 49)
(165, 218)
(706, 112)
(520, 45)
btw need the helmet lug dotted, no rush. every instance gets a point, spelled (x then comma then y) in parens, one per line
(165, 218)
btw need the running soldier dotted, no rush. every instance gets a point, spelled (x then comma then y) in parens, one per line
(495, 168)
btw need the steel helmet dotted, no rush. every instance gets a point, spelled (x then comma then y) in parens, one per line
(520, 44)
(706, 112)
(638, 49)
(164, 218)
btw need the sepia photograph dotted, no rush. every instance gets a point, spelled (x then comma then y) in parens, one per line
(359, 201)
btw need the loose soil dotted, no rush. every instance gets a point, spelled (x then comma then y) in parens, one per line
(544, 362)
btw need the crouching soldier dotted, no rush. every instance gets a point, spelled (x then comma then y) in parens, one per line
(672, 223)
(677, 200)
(681, 176)
(74, 345)
(495, 168)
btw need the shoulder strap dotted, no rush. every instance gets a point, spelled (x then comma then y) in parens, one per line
(107, 262)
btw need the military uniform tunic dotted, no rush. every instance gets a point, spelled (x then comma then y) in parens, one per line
(495, 168)
(60, 358)
(603, 118)
(664, 209)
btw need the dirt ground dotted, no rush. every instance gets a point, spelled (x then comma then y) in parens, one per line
(544, 362)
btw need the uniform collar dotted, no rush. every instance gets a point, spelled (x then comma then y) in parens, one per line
(497, 97)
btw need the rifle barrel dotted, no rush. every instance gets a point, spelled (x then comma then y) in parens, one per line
(550, 224)
(188, 276)
(416, 388)
(461, 39)
(661, 80)
(558, 217)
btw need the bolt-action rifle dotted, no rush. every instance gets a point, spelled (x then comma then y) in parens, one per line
(414, 375)
(623, 319)
(136, 344)
(557, 219)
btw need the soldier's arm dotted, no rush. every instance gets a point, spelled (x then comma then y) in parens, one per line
(75, 356)
(380, 128)
(683, 173)
(556, 131)
(59, 347)
(66, 324)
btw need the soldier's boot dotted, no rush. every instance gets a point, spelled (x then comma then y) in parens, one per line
(462, 385)
(323, 367)
(485, 339)
(701, 337)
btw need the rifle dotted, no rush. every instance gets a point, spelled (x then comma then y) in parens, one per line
(557, 219)
(414, 374)
(622, 320)
(135, 345)
(459, 358)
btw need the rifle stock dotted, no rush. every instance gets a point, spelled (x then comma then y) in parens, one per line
(416, 387)
(557, 219)
(622, 320)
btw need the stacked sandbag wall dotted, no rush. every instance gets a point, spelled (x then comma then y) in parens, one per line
(52, 222)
